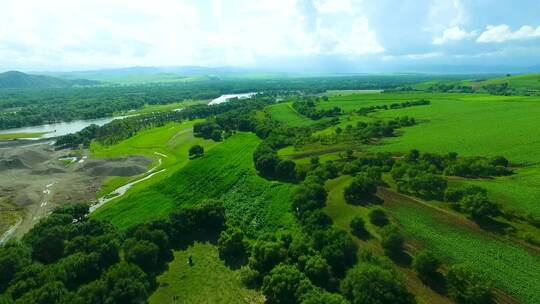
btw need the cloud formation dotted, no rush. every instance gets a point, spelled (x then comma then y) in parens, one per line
(503, 33)
(89, 34)
(453, 33)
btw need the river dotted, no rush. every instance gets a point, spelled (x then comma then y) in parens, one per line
(61, 128)
(226, 97)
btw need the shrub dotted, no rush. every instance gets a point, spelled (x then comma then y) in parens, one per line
(367, 283)
(357, 226)
(377, 217)
(426, 264)
(361, 188)
(196, 150)
(466, 286)
(392, 240)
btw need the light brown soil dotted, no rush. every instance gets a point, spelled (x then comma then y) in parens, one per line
(33, 179)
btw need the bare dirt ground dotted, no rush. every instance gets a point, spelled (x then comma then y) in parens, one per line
(35, 178)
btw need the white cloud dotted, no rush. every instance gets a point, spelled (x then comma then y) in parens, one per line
(503, 33)
(443, 14)
(83, 34)
(424, 55)
(454, 33)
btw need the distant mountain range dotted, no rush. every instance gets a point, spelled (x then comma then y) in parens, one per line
(19, 80)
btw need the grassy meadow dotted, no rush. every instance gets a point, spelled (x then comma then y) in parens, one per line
(284, 113)
(226, 172)
(207, 281)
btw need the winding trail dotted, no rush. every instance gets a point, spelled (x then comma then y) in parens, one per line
(9, 233)
(120, 191)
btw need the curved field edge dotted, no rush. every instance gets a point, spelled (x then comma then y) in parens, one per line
(226, 172)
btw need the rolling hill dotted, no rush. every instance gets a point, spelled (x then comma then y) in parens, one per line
(19, 80)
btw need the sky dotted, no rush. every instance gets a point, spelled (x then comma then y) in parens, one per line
(338, 35)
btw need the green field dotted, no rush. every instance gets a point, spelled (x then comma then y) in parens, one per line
(172, 140)
(526, 81)
(7, 136)
(207, 281)
(511, 267)
(164, 107)
(225, 172)
(284, 113)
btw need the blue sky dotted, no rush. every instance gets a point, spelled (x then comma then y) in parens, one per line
(353, 35)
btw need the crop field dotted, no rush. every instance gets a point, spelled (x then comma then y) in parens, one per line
(518, 192)
(172, 140)
(164, 107)
(284, 113)
(342, 214)
(511, 267)
(528, 81)
(226, 172)
(7, 136)
(207, 281)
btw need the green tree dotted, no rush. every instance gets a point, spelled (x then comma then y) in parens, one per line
(142, 253)
(196, 150)
(285, 284)
(377, 217)
(392, 241)
(361, 188)
(317, 270)
(231, 244)
(467, 286)
(367, 284)
(478, 207)
(426, 264)
(357, 226)
(286, 169)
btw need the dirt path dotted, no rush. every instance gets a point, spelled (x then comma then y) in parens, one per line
(9, 233)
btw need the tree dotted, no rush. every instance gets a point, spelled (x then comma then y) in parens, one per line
(142, 253)
(466, 286)
(361, 188)
(426, 264)
(367, 283)
(50, 293)
(377, 217)
(317, 270)
(217, 135)
(266, 163)
(285, 284)
(357, 226)
(122, 283)
(286, 169)
(265, 254)
(231, 244)
(478, 207)
(196, 150)
(392, 240)
(13, 258)
(499, 161)
(336, 247)
(319, 296)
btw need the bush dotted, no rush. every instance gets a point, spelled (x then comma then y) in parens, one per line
(196, 150)
(231, 244)
(466, 286)
(361, 188)
(285, 284)
(357, 226)
(367, 283)
(392, 241)
(377, 217)
(426, 264)
(478, 207)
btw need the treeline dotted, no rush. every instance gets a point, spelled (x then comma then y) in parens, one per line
(68, 258)
(308, 108)
(26, 107)
(121, 129)
(395, 105)
(422, 175)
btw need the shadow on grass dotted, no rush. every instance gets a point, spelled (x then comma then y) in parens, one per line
(437, 282)
(401, 258)
(495, 226)
(367, 201)
(235, 262)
